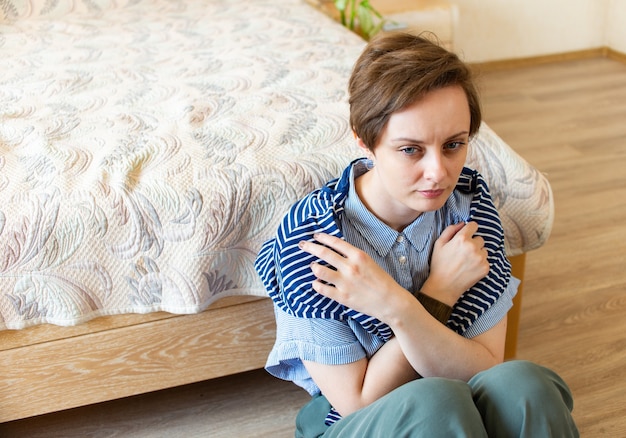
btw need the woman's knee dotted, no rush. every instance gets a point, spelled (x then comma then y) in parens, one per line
(438, 392)
(431, 407)
(439, 407)
(517, 379)
(520, 398)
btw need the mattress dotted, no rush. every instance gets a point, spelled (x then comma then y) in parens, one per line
(149, 147)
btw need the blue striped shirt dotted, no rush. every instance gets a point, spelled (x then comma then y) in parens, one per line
(316, 328)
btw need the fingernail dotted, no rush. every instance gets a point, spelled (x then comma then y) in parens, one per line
(301, 244)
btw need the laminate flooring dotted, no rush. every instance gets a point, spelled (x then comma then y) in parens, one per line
(568, 119)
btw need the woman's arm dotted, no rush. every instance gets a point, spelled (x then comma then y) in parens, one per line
(432, 349)
(355, 385)
(439, 351)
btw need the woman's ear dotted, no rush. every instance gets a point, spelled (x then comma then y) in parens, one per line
(362, 145)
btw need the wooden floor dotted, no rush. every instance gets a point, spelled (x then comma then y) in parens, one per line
(567, 119)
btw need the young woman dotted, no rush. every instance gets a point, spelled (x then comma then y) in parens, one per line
(391, 285)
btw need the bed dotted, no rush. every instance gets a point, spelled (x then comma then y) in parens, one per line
(147, 149)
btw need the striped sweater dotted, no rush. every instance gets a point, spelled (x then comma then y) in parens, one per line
(285, 269)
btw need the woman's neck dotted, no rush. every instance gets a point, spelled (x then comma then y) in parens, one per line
(380, 204)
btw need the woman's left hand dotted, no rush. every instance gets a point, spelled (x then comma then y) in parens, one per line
(357, 281)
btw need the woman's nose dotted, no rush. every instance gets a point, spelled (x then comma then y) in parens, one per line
(434, 167)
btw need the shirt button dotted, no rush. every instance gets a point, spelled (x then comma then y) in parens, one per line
(400, 239)
(402, 260)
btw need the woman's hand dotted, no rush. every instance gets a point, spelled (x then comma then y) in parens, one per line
(459, 261)
(356, 280)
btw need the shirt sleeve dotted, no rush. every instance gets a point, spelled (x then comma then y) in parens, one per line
(486, 293)
(495, 313)
(324, 341)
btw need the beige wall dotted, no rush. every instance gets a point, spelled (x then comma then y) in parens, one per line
(616, 28)
(490, 30)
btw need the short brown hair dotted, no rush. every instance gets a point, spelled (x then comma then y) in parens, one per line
(395, 70)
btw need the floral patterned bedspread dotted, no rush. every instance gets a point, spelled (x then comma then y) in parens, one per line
(149, 147)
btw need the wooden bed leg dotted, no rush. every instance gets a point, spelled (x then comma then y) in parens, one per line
(518, 265)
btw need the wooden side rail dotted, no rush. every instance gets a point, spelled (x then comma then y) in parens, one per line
(518, 264)
(58, 369)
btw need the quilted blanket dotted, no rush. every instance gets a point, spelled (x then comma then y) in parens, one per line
(149, 147)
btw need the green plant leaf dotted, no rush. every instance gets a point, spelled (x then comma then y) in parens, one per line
(351, 10)
(365, 19)
(341, 7)
(372, 9)
(341, 4)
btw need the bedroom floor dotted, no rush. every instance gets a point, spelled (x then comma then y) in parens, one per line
(565, 118)
(252, 404)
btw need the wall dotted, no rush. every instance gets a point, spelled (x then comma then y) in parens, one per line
(491, 30)
(616, 29)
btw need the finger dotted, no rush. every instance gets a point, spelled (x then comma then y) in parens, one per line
(450, 231)
(328, 290)
(479, 242)
(322, 252)
(337, 244)
(467, 231)
(470, 228)
(327, 274)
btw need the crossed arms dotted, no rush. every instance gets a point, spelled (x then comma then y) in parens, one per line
(422, 346)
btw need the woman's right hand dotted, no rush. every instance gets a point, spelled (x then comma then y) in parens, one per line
(459, 261)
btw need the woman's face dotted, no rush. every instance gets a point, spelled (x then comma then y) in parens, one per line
(418, 159)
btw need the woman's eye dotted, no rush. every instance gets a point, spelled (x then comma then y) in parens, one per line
(455, 145)
(409, 150)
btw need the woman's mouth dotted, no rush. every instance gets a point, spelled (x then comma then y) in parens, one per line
(431, 194)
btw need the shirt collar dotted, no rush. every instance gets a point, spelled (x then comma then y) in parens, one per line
(377, 233)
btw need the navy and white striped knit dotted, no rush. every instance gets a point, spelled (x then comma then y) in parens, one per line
(285, 269)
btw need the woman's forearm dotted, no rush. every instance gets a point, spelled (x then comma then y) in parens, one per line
(352, 386)
(387, 369)
(433, 349)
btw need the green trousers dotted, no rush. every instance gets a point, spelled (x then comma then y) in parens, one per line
(513, 399)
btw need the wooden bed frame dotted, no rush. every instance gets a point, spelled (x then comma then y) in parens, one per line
(49, 368)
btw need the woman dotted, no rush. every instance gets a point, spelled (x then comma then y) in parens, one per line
(391, 285)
